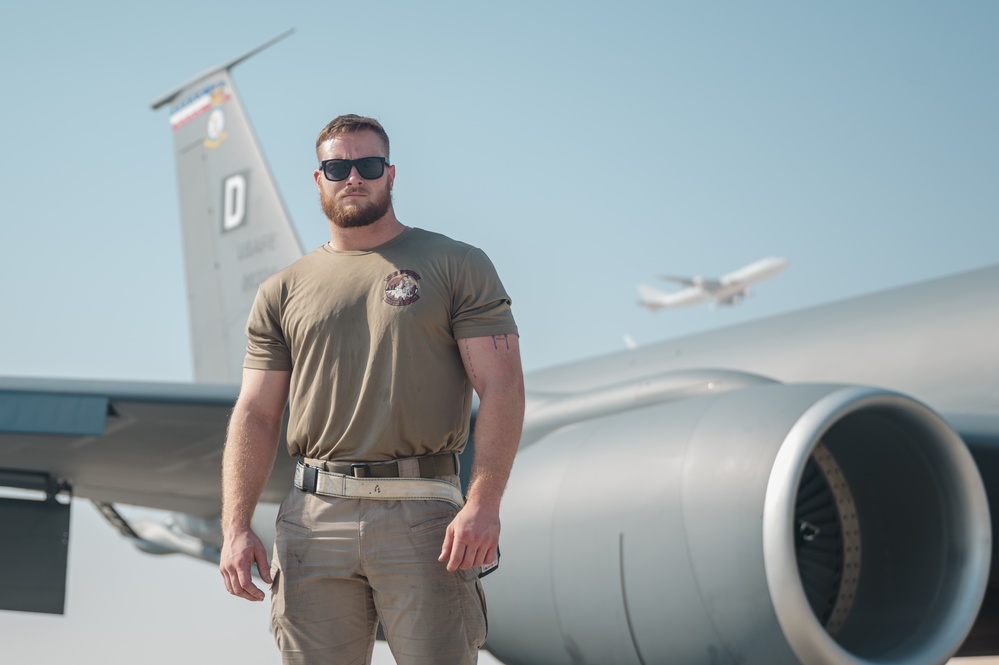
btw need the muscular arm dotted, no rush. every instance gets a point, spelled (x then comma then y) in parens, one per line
(250, 447)
(493, 367)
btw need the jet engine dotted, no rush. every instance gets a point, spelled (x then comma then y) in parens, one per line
(770, 524)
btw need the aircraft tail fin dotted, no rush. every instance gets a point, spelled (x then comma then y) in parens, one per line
(235, 227)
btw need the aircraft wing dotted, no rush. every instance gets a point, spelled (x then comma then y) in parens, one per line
(683, 281)
(145, 444)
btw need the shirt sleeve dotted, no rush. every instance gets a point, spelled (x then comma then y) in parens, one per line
(480, 305)
(266, 345)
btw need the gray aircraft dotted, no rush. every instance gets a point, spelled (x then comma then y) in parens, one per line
(810, 488)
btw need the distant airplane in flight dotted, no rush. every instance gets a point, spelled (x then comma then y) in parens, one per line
(729, 289)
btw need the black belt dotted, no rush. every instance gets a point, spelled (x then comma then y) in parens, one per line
(431, 466)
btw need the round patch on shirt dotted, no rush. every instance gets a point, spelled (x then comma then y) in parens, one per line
(402, 288)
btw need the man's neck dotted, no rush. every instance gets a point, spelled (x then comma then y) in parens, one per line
(365, 237)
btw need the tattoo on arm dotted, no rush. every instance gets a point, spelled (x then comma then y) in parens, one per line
(500, 342)
(468, 357)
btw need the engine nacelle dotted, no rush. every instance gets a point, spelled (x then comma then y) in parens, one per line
(773, 524)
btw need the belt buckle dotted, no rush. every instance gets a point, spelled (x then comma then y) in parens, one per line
(310, 478)
(359, 470)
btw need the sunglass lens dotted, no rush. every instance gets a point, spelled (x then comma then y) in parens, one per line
(370, 168)
(336, 169)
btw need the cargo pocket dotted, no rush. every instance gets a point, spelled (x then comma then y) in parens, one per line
(436, 522)
(295, 528)
(474, 606)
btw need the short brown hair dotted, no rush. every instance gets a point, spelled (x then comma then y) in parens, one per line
(348, 124)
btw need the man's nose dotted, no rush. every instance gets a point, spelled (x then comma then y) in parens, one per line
(354, 175)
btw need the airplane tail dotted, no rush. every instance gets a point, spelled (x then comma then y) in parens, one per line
(235, 227)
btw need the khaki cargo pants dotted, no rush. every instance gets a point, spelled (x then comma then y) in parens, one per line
(341, 566)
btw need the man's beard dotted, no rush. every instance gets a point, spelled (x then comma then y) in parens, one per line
(355, 216)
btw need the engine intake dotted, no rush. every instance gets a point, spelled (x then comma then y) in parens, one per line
(772, 524)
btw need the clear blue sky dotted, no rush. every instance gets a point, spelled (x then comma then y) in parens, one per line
(586, 146)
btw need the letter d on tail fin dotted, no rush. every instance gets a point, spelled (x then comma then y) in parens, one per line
(235, 227)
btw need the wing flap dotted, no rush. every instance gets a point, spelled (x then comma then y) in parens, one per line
(34, 555)
(53, 414)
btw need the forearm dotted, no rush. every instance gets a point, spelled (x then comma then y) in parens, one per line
(497, 433)
(250, 449)
(493, 366)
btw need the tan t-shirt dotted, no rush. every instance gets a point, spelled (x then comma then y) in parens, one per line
(370, 340)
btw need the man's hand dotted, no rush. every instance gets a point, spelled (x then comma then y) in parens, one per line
(238, 553)
(472, 538)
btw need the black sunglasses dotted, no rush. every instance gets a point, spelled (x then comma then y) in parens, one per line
(369, 168)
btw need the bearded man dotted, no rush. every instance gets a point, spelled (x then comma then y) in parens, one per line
(375, 342)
